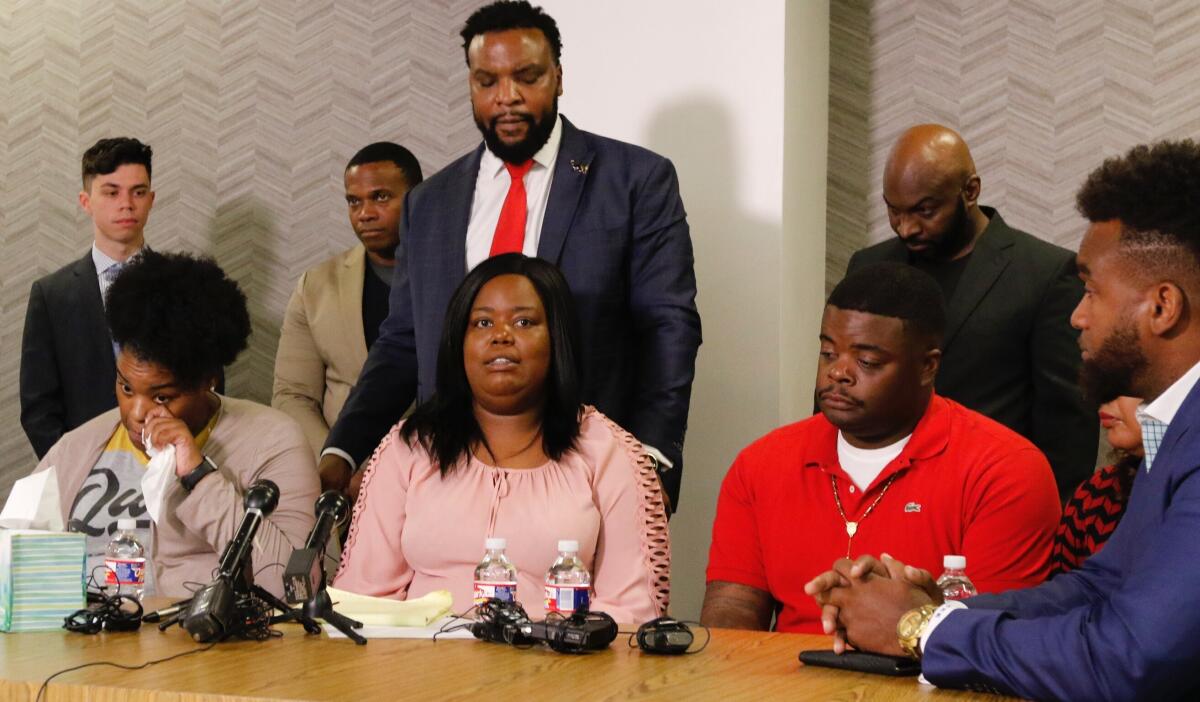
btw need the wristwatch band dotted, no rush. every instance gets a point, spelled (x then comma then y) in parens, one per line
(190, 480)
(911, 626)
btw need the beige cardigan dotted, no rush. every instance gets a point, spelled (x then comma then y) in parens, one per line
(248, 442)
(322, 346)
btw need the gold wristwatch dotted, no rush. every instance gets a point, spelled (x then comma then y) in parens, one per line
(911, 626)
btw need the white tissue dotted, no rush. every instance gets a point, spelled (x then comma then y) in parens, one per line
(160, 474)
(34, 503)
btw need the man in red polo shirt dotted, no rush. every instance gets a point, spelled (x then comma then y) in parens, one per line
(887, 466)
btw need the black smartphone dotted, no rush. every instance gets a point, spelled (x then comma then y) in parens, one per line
(863, 662)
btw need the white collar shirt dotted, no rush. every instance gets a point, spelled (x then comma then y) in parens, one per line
(1154, 417)
(491, 188)
(1165, 406)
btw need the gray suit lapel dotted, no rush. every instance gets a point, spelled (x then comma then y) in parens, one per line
(570, 177)
(87, 297)
(989, 259)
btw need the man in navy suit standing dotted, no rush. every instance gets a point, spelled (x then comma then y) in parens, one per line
(608, 214)
(1126, 625)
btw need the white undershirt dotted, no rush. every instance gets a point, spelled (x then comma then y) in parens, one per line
(864, 465)
(491, 187)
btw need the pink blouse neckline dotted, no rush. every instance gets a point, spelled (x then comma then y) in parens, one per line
(474, 460)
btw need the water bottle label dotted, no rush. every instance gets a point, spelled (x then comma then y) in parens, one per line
(125, 571)
(506, 592)
(565, 599)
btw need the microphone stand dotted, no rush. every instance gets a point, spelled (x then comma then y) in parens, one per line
(243, 585)
(287, 613)
(320, 606)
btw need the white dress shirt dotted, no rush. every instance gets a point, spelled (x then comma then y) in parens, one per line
(1164, 407)
(1156, 416)
(491, 187)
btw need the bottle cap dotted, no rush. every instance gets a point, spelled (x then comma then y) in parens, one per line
(955, 562)
(495, 544)
(126, 524)
(568, 545)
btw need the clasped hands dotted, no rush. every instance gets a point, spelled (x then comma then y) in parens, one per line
(862, 600)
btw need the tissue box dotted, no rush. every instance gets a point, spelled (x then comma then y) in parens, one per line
(41, 578)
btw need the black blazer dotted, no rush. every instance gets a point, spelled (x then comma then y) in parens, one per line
(616, 227)
(68, 372)
(1010, 352)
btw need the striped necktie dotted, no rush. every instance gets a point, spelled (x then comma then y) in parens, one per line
(109, 275)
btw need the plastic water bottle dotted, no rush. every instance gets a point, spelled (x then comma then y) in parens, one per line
(568, 583)
(954, 582)
(495, 575)
(125, 562)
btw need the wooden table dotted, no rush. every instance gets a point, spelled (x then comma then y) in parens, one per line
(737, 665)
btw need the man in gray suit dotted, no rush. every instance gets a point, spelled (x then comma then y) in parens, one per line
(1010, 352)
(68, 365)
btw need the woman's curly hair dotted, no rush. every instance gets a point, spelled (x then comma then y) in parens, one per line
(180, 312)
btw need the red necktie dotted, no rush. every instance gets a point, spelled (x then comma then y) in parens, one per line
(510, 230)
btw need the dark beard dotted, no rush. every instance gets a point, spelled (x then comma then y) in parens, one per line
(1114, 369)
(522, 151)
(958, 235)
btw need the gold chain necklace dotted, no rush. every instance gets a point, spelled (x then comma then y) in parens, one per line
(852, 527)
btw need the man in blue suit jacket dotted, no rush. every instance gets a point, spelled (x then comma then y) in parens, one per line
(607, 213)
(1127, 624)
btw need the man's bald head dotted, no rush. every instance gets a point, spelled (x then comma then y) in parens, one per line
(930, 153)
(932, 192)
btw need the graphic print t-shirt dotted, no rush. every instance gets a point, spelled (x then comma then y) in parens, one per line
(113, 491)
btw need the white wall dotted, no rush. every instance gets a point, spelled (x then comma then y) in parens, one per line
(735, 96)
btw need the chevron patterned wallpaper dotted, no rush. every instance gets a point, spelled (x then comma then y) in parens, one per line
(252, 107)
(1042, 90)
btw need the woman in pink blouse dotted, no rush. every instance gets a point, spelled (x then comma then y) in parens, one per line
(504, 448)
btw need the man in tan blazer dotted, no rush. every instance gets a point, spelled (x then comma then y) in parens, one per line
(333, 316)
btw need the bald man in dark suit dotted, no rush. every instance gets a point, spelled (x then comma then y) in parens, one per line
(1010, 352)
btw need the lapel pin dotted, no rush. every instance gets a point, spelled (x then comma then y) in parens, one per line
(580, 168)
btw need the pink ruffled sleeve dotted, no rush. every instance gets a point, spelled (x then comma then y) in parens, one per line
(373, 562)
(632, 566)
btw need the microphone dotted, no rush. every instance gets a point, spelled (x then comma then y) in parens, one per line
(501, 621)
(261, 499)
(579, 633)
(211, 614)
(166, 613)
(304, 575)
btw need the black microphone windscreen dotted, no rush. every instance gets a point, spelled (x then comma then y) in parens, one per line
(334, 502)
(263, 495)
